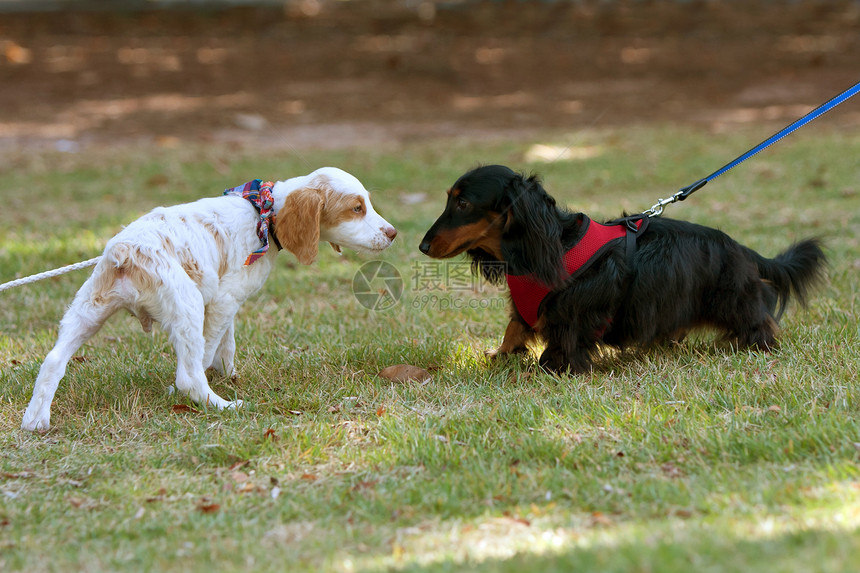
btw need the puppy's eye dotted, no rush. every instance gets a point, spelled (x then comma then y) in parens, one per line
(358, 209)
(462, 204)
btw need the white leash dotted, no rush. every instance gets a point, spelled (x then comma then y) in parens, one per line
(49, 274)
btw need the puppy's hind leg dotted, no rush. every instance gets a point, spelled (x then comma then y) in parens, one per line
(181, 314)
(218, 331)
(222, 359)
(83, 319)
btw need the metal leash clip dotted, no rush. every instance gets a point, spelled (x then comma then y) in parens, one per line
(657, 209)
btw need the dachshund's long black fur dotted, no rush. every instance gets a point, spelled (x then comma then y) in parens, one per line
(681, 276)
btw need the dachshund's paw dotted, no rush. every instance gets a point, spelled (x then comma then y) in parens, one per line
(499, 353)
(557, 364)
(493, 354)
(553, 366)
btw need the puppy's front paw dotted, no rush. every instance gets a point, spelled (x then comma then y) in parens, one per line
(215, 401)
(35, 420)
(36, 425)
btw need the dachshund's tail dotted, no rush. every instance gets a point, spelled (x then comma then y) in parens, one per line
(795, 271)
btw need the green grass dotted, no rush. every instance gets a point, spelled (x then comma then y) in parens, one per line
(686, 458)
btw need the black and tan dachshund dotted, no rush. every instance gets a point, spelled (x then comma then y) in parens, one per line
(634, 282)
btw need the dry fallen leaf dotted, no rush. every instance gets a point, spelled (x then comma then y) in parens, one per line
(184, 408)
(18, 475)
(670, 470)
(239, 477)
(208, 507)
(158, 496)
(517, 519)
(404, 373)
(370, 484)
(76, 501)
(239, 464)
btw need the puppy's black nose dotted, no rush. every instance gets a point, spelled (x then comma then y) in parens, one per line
(424, 246)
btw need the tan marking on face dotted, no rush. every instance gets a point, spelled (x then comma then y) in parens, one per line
(485, 234)
(297, 224)
(341, 208)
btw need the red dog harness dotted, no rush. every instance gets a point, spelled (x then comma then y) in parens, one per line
(527, 292)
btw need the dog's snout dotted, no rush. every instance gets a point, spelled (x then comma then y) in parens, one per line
(390, 232)
(424, 247)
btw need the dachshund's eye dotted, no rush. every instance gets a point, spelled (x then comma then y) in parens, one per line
(462, 204)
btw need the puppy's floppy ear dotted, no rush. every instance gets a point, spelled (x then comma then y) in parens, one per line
(298, 224)
(531, 241)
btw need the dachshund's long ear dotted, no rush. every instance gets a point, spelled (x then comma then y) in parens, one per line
(297, 225)
(531, 241)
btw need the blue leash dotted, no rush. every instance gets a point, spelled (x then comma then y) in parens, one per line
(685, 192)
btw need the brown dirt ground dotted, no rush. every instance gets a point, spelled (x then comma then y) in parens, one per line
(363, 73)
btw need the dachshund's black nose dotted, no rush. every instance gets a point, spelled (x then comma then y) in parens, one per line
(424, 246)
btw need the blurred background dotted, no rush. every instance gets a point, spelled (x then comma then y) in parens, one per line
(339, 73)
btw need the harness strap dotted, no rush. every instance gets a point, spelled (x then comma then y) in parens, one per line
(635, 225)
(528, 293)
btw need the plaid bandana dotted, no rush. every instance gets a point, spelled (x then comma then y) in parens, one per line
(259, 193)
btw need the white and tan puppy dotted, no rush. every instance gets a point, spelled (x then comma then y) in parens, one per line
(188, 268)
